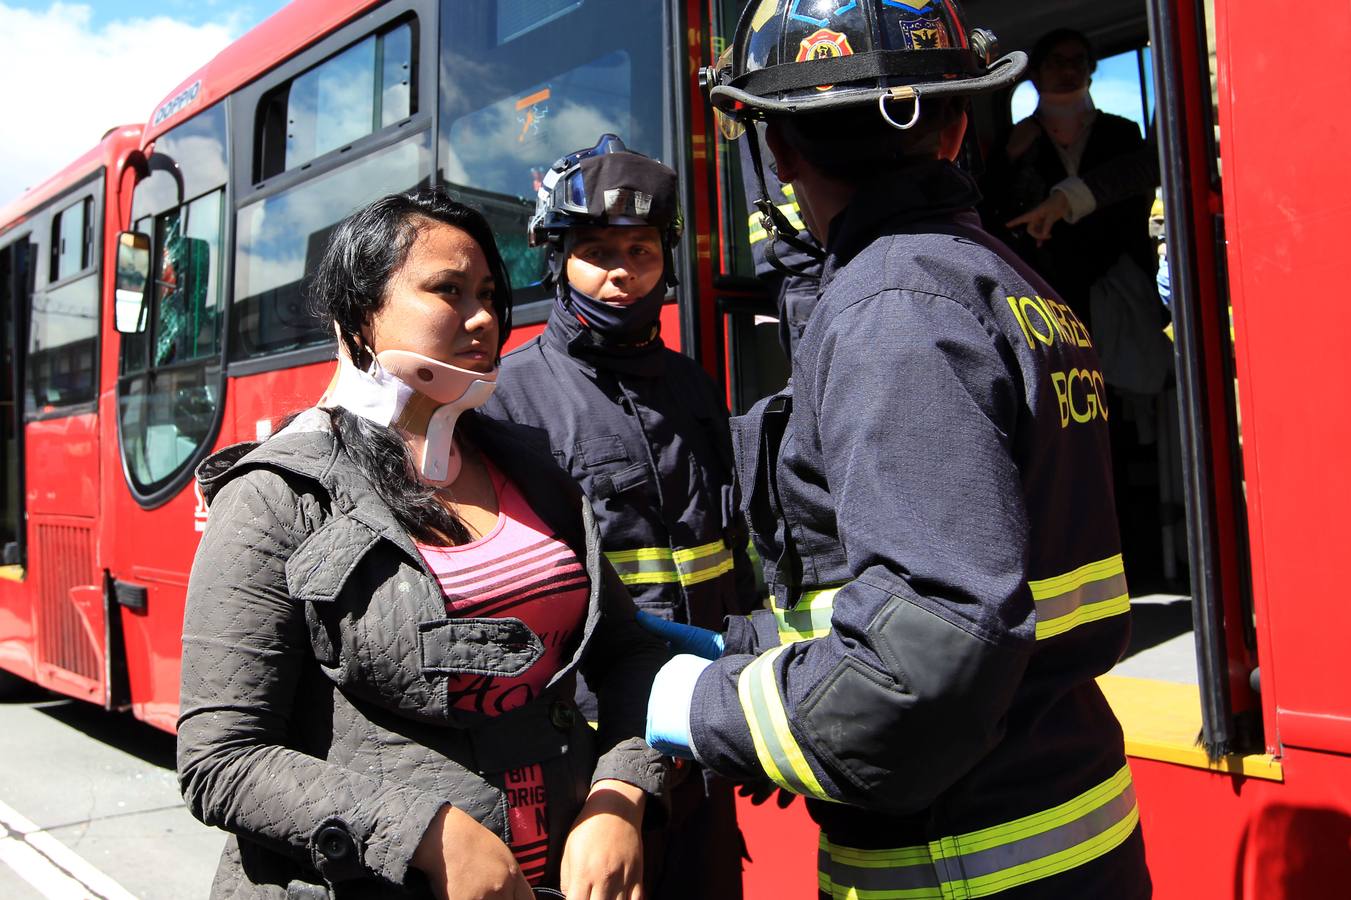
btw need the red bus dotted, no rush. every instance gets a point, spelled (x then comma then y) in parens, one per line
(1242, 763)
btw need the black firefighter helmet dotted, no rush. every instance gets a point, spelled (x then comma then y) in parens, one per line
(791, 57)
(803, 56)
(605, 185)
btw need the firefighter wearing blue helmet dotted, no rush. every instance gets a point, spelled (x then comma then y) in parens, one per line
(645, 432)
(931, 498)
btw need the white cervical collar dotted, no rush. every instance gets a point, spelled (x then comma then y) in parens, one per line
(417, 395)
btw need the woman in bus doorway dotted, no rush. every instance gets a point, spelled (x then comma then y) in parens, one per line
(390, 607)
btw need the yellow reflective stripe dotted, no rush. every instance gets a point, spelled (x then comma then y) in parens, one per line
(775, 747)
(1037, 823)
(808, 619)
(1056, 863)
(646, 565)
(661, 565)
(757, 231)
(640, 555)
(991, 860)
(1060, 584)
(1087, 594)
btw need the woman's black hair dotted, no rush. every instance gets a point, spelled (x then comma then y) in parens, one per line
(348, 288)
(1052, 39)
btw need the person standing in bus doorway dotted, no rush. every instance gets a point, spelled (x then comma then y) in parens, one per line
(932, 498)
(645, 432)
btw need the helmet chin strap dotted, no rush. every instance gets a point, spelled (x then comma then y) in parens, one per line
(418, 395)
(776, 224)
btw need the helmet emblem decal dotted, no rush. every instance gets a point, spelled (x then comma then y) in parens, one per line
(925, 34)
(824, 44)
(812, 20)
(625, 200)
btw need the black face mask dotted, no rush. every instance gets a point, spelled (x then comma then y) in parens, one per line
(617, 323)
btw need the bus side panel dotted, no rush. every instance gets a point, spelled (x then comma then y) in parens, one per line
(17, 639)
(1215, 835)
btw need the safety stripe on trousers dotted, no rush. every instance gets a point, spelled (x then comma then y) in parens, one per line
(778, 751)
(661, 565)
(808, 619)
(1089, 593)
(995, 859)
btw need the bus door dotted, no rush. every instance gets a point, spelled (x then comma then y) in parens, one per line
(49, 434)
(168, 393)
(16, 614)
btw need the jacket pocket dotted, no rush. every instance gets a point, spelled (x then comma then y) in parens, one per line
(317, 572)
(607, 468)
(758, 437)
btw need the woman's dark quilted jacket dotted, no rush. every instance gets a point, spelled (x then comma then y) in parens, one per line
(316, 653)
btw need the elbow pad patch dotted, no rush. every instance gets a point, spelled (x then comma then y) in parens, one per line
(904, 735)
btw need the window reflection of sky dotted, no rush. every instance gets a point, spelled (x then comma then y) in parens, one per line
(505, 147)
(275, 235)
(524, 82)
(332, 104)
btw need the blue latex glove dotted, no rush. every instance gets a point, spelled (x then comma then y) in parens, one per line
(683, 638)
(668, 706)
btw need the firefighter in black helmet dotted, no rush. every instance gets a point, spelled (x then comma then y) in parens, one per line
(931, 497)
(644, 430)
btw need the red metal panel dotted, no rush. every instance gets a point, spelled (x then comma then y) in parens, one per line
(1212, 835)
(69, 628)
(61, 473)
(1286, 188)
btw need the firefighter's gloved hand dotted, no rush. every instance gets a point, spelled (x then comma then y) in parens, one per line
(683, 638)
(668, 706)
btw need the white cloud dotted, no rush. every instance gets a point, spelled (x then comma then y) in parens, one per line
(68, 81)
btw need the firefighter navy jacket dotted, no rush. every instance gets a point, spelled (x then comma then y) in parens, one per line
(645, 433)
(941, 458)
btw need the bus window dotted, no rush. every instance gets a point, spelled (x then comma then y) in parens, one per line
(63, 321)
(281, 238)
(353, 93)
(71, 239)
(526, 82)
(167, 413)
(169, 392)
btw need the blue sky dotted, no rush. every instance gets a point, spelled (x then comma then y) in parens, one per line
(192, 12)
(74, 69)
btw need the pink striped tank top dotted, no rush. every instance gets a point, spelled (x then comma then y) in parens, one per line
(519, 569)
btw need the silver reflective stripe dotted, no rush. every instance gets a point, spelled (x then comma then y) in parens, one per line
(1041, 846)
(1089, 594)
(700, 564)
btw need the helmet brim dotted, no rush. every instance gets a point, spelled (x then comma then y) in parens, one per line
(1002, 73)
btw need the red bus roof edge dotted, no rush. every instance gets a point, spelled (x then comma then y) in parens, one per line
(269, 43)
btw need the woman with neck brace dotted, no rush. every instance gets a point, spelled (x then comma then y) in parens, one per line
(644, 431)
(1064, 139)
(391, 605)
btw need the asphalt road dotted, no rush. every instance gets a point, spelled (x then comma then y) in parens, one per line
(89, 808)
